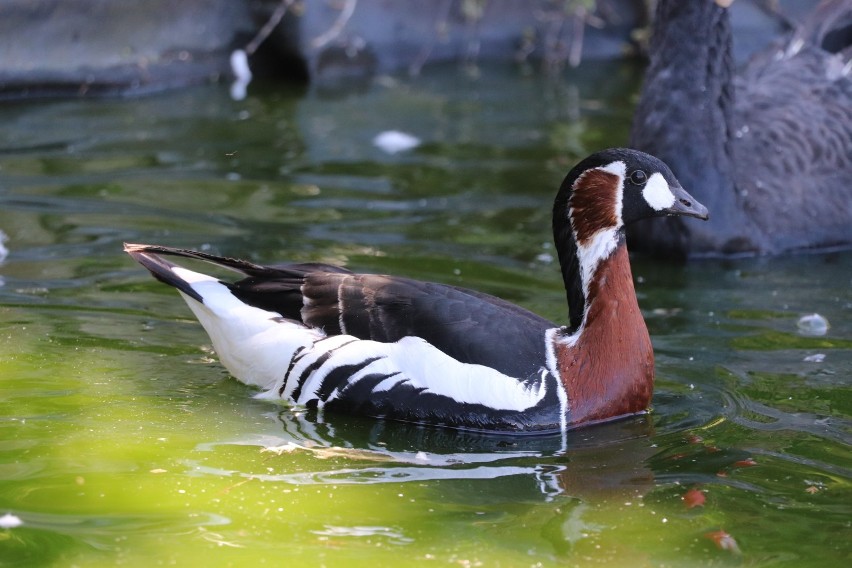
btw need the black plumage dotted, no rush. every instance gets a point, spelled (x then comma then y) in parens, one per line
(768, 150)
(465, 324)
(408, 403)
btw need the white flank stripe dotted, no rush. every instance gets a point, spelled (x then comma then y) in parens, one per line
(307, 358)
(257, 347)
(429, 368)
(657, 193)
(389, 383)
(381, 366)
(415, 361)
(253, 344)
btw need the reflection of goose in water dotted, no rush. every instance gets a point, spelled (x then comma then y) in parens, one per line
(768, 150)
(605, 461)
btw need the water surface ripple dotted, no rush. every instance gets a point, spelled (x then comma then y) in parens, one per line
(122, 440)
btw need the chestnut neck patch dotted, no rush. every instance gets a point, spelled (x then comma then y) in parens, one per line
(595, 204)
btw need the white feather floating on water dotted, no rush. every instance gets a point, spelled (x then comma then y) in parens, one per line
(394, 141)
(242, 74)
(10, 521)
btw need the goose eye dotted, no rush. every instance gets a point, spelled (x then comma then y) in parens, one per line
(638, 177)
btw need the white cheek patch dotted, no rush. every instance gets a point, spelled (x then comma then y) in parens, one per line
(657, 193)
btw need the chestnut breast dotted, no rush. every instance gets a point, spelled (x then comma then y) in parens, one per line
(609, 370)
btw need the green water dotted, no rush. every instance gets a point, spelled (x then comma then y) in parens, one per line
(124, 442)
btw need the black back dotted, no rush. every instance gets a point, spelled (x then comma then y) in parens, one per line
(469, 326)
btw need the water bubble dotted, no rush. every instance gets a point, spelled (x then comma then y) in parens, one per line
(813, 324)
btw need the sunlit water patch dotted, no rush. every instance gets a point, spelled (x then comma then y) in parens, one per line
(122, 440)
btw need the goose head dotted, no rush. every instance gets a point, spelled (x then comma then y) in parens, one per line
(616, 187)
(598, 198)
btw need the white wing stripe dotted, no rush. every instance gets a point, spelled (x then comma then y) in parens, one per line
(412, 360)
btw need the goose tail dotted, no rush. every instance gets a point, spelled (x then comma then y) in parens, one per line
(161, 269)
(254, 344)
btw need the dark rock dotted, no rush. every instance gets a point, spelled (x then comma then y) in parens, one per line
(105, 47)
(84, 47)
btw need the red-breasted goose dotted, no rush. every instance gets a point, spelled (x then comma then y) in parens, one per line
(768, 150)
(389, 347)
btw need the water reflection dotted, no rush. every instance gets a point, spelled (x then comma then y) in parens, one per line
(603, 461)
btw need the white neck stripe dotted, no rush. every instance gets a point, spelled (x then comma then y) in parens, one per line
(603, 242)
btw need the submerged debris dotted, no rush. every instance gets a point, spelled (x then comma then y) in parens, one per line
(694, 498)
(724, 541)
(330, 452)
